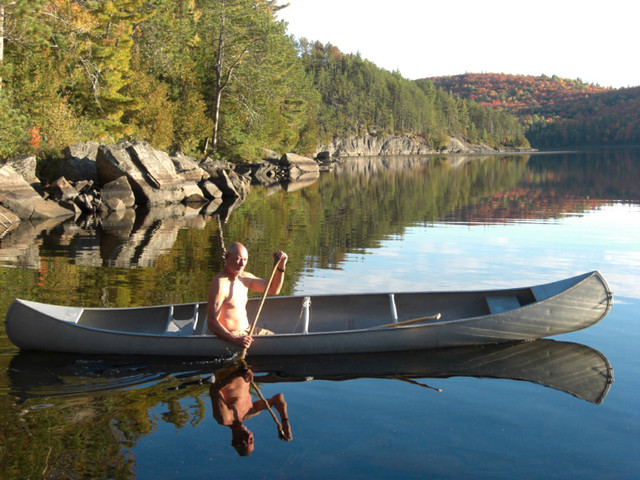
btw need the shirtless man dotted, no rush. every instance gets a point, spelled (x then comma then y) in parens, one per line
(227, 300)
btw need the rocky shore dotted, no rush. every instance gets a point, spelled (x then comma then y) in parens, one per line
(98, 179)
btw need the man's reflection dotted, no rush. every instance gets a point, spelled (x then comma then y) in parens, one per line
(232, 404)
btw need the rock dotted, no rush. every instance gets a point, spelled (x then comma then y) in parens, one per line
(79, 162)
(61, 190)
(214, 167)
(188, 168)
(25, 165)
(7, 218)
(150, 172)
(19, 197)
(228, 186)
(117, 194)
(210, 190)
(240, 183)
(270, 155)
(297, 165)
(193, 194)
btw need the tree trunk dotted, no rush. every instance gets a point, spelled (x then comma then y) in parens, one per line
(1, 39)
(219, 86)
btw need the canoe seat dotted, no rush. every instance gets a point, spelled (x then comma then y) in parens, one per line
(182, 320)
(502, 303)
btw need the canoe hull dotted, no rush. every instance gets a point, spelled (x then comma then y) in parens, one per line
(571, 305)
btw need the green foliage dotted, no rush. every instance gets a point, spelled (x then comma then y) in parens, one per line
(199, 75)
(13, 128)
(358, 98)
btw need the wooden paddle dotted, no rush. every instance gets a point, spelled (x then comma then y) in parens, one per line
(264, 297)
(409, 322)
(281, 433)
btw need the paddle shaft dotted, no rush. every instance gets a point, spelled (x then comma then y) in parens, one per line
(273, 415)
(409, 322)
(264, 297)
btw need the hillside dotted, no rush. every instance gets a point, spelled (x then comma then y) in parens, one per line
(359, 98)
(555, 111)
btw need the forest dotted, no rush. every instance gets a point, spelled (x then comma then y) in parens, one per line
(556, 112)
(219, 78)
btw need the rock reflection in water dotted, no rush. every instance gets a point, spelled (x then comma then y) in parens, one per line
(124, 239)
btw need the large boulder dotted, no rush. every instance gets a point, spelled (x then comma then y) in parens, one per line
(79, 162)
(297, 165)
(150, 172)
(19, 197)
(25, 165)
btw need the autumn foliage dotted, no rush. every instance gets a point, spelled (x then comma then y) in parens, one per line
(556, 111)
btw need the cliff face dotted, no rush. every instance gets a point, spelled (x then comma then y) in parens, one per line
(369, 145)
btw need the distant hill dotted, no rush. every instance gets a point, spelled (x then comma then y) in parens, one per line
(555, 111)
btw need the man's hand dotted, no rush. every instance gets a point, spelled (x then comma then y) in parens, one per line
(243, 341)
(281, 258)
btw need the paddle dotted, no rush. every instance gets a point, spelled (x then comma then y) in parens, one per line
(281, 433)
(264, 297)
(408, 322)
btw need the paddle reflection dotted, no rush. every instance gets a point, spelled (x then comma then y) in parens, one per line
(232, 405)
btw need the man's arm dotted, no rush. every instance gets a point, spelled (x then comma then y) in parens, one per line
(215, 300)
(259, 285)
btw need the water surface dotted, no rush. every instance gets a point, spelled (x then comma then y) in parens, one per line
(546, 409)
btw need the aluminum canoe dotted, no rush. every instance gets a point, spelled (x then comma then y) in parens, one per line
(324, 324)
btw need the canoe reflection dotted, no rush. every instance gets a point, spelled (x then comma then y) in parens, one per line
(576, 369)
(233, 405)
(570, 367)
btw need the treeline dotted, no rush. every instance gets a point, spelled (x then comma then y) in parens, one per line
(358, 97)
(213, 76)
(556, 112)
(207, 77)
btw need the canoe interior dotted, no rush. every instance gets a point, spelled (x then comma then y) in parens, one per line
(327, 313)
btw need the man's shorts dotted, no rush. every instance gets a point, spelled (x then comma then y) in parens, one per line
(256, 331)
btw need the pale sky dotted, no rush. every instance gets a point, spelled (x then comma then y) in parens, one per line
(596, 41)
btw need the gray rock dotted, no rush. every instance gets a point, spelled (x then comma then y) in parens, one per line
(150, 172)
(79, 161)
(61, 190)
(117, 194)
(297, 165)
(188, 168)
(19, 197)
(25, 165)
(210, 190)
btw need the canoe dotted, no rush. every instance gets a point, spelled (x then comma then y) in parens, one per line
(324, 324)
(576, 369)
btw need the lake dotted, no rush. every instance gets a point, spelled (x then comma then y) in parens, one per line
(561, 408)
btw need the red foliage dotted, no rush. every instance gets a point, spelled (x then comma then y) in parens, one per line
(36, 138)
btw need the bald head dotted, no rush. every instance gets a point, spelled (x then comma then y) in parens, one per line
(236, 248)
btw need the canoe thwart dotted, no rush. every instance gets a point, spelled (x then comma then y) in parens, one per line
(180, 323)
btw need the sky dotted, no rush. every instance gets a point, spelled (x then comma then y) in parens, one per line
(595, 41)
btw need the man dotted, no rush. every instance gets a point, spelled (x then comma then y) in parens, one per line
(227, 300)
(232, 404)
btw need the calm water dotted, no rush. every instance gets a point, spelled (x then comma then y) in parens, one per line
(536, 410)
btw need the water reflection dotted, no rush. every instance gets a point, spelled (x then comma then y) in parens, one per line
(111, 403)
(573, 368)
(361, 201)
(232, 406)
